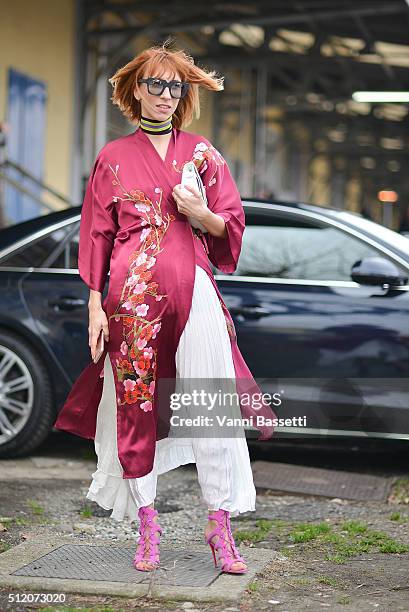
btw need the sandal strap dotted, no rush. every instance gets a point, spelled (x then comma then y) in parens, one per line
(154, 527)
(146, 516)
(226, 556)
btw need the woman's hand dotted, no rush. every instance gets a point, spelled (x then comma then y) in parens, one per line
(97, 321)
(190, 202)
(192, 205)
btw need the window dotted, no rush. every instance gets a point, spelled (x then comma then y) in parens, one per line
(284, 246)
(36, 252)
(67, 256)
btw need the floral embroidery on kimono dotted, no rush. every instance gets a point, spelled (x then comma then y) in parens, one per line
(202, 154)
(137, 368)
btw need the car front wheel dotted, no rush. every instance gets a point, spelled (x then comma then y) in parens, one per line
(26, 403)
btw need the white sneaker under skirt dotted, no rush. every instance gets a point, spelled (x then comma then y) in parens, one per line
(223, 464)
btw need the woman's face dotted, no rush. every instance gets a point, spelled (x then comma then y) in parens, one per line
(157, 107)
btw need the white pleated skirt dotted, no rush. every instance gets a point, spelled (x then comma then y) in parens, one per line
(223, 463)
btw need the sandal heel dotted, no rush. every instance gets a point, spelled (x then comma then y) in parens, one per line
(214, 554)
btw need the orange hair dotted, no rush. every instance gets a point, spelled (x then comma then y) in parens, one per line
(154, 62)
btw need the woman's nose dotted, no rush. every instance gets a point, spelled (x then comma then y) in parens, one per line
(166, 94)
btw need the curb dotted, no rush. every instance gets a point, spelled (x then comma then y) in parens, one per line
(224, 588)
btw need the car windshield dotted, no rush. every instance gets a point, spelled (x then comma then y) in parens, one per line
(375, 229)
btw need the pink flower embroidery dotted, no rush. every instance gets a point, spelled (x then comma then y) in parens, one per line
(145, 233)
(156, 329)
(138, 370)
(142, 257)
(142, 207)
(146, 406)
(142, 309)
(151, 262)
(139, 288)
(129, 384)
(141, 343)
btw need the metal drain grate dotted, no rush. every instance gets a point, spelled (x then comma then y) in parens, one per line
(114, 564)
(318, 481)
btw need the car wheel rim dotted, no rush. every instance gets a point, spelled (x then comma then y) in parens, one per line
(16, 394)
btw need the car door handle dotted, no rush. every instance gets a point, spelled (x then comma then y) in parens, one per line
(66, 302)
(250, 312)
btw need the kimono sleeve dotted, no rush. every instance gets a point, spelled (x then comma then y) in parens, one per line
(223, 199)
(98, 227)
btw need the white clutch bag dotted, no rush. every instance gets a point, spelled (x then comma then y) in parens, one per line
(191, 177)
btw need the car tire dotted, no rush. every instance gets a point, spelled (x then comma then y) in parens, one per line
(39, 414)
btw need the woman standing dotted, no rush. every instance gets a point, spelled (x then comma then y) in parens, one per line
(163, 317)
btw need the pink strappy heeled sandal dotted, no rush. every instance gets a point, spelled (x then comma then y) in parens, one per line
(148, 530)
(225, 546)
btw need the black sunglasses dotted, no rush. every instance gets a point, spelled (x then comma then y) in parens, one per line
(156, 87)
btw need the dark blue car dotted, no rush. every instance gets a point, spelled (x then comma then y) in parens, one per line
(320, 301)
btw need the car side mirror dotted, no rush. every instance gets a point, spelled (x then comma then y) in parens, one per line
(377, 271)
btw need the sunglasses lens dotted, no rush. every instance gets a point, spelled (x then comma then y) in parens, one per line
(155, 87)
(176, 90)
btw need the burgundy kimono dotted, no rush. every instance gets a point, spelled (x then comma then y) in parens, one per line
(130, 225)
